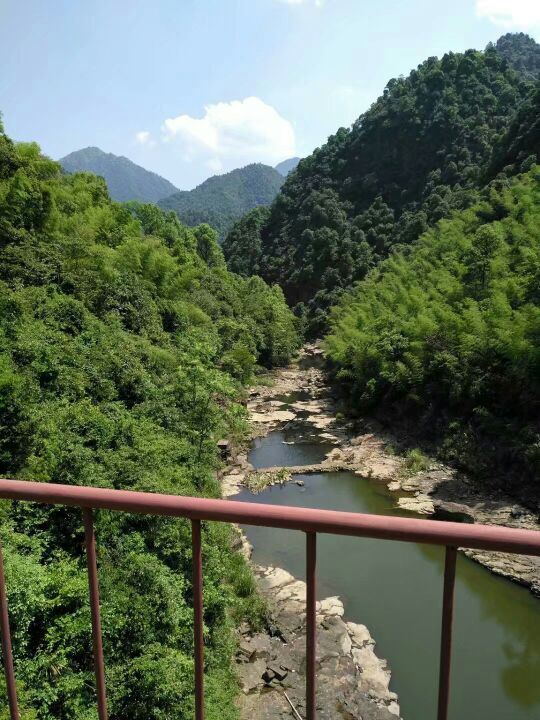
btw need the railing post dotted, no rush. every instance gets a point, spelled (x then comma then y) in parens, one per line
(446, 632)
(93, 586)
(311, 624)
(7, 652)
(198, 618)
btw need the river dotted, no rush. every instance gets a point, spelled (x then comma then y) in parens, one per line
(396, 590)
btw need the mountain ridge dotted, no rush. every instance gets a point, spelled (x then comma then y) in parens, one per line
(125, 179)
(222, 199)
(415, 155)
(287, 166)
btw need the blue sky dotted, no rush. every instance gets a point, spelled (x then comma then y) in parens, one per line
(188, 88)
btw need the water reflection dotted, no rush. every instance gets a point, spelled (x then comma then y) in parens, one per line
(395, 588)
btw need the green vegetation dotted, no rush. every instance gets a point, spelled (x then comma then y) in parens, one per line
(242, 246)
(223, 199)
(124, 344)
(415, 461)
(125, 180)
(519, 148)
(447, 334)
(416, 155)
(522, 52)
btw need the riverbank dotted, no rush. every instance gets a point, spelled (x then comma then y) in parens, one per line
(353, 683)
(438, 491)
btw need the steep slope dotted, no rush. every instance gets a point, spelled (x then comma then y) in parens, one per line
(418, 153)
(446, 334)
(285, 167)
(125, 180)
(519, 147)
(125, 343)
(222, 199)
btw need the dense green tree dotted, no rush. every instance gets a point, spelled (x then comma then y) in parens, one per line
(124, 342)
(446, 334)
(222, 199)
(242, 246)
(416, 155)
(519, 147)
(522, 52)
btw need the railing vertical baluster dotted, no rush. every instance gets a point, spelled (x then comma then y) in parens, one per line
(93, 586)
(311, 624)
(198, 618)
(7, 652)
(446, 632)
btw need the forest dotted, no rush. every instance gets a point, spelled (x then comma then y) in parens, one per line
(125, 345)
(409, 243)
(417, 154)
(445, 336)
(222, 199)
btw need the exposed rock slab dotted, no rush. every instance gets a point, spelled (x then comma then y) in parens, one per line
(352, 682)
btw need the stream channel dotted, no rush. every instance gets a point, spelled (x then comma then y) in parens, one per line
(396, 590)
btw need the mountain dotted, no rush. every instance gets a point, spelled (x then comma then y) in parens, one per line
(285, 167)
(222, 199)
(444, 334)
(417, 154)
(125, 180)
(522, 52)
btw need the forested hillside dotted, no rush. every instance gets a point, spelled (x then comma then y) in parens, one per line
(222, 199)
(124, 345)
(418, 153)
(125, 180)
(446, 334)
(519, 147)
(522, 52)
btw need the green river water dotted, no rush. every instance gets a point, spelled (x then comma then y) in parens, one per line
(396, 590)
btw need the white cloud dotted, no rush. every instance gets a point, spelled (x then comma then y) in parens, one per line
(232, 133)
(144, 137)
(521, 14)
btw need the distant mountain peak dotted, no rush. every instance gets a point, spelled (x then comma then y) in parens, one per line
(222, 199)
(285, 167)
(125, 179)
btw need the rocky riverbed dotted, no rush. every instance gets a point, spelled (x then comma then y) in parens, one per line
(440, 491)
(353, 681)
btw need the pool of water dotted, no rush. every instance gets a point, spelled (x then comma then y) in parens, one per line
(290, 447)
(396, 590)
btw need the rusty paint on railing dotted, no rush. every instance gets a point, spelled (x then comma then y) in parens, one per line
(93, 588)
(387, 527)
(448, 534)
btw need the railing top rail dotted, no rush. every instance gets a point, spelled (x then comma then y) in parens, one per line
(480, 537)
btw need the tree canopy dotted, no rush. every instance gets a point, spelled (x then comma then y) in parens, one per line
(418, 153)
(223, 199)
(124, 345)
(446, 334)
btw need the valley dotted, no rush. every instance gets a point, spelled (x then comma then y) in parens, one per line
(392, 588)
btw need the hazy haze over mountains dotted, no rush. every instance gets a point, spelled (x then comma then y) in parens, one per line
(125, 179)
(286, 166)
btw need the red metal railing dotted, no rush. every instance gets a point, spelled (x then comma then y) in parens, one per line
(450, 535)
